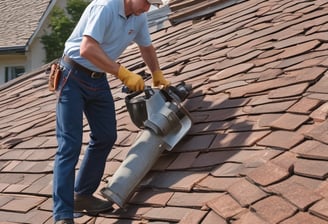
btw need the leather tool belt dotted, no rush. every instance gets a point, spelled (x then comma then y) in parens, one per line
(93, 74)
(54, 76)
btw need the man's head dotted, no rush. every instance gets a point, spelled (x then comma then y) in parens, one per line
(137, 7)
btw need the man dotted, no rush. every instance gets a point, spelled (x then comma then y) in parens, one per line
(105, 29)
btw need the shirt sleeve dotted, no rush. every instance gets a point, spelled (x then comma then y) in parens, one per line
(143, 37)
(98, 19)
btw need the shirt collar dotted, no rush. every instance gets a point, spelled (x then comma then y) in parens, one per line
(121, 9)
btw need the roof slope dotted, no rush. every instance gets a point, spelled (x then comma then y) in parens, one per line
(257, 153)
(20, 19)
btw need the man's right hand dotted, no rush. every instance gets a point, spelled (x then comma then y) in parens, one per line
(132, 80)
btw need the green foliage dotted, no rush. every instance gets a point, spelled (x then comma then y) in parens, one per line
(62, 23)
(75, 8)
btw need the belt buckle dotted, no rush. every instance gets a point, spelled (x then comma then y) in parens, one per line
(95, 75)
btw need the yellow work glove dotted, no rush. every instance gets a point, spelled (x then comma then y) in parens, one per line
(159, 80)
(132, 80)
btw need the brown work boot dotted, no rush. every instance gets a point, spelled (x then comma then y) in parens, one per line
(65, 221)
(91, 204)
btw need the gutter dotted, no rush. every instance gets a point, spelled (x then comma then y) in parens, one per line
(13, 50)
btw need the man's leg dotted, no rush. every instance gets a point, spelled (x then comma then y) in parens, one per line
(102, 121)
(69, 137)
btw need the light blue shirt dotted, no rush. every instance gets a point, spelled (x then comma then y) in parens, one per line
(105, 21)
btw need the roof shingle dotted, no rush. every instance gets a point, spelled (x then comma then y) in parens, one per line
(257, 151)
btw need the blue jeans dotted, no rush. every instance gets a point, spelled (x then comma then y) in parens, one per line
(78, 93)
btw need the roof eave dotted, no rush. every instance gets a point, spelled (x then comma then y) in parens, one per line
(13, 50)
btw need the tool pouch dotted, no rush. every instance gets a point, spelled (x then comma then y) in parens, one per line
(54, 76)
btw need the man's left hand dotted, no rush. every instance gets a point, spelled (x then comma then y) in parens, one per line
(159, 80)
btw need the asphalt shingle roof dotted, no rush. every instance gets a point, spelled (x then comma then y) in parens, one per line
(19, 20)
(257, 152)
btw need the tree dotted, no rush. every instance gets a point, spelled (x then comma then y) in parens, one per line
(62, 23)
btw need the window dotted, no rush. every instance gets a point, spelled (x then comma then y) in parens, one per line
(13, 72)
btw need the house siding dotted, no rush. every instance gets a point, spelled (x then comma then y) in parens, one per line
(24, 31)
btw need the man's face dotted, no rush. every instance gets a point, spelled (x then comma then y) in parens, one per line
(140, 6)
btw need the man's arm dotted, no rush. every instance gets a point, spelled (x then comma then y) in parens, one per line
(149, 56)
(91, 50)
